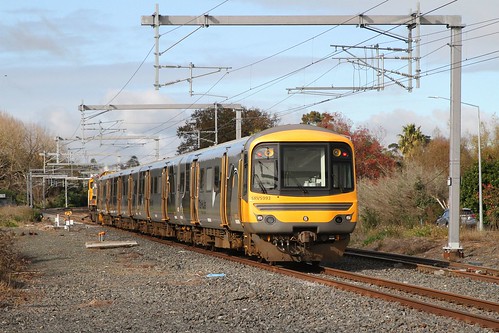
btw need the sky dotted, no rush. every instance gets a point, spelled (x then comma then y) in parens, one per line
(56, 55)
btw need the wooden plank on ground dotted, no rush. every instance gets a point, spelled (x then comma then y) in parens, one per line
(109, 244)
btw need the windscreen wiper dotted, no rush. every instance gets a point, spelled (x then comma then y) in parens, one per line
(300, 186)
(259, 181)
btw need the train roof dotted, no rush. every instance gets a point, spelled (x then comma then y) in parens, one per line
(242, 143)
(291, 127)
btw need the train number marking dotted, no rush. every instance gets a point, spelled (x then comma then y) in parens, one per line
(260, 197)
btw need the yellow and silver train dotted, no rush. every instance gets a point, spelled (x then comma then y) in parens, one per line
(284, 194)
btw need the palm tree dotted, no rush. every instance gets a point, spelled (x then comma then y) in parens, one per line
(410, 139)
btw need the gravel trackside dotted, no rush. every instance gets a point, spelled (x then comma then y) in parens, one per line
(156, 288)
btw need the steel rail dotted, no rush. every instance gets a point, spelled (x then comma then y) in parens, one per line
(483, 321)
(418, 290)
(486, 274)
(362, 290)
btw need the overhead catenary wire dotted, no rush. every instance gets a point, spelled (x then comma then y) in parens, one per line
(262, 87)
(268, 83)
(145, 58)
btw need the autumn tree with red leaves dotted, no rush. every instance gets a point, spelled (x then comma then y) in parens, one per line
(371, 160)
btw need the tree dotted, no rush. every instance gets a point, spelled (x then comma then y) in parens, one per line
(312, 118)
(201, 127)
(412, 140)
(490, 195)
(371, 160)
(490, 181)
(132, 162)
(20, 148)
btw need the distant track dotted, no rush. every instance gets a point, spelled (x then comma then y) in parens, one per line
(486, 274)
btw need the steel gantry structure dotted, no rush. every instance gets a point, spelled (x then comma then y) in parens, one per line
(452, 22)
(138, 107)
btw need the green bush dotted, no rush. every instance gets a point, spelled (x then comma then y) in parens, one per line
(370, 218)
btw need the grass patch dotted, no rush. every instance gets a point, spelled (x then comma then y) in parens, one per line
(10, 261)
(375, 237)
(378, 235)
(426, 231)
(8, 258)
(13, 216)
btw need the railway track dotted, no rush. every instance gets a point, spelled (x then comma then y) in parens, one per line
(426, 299)
(390, 289)
(486, 274)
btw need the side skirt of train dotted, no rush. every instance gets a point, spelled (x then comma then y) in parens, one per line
(270, 248)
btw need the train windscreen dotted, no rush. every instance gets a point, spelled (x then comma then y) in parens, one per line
(303, 167)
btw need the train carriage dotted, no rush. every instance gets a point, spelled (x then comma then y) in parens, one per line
(285, 194)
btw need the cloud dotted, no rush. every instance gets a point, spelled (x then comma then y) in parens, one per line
(392, 123)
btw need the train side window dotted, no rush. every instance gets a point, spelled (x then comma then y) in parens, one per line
(187, 176)
(209, 179)
(245, 176)
(171, 178)
(154, 186)
(181, 182)
(201, 180)
(216, 181)
(113, 191)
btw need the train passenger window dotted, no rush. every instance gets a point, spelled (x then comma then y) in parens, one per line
(181, 182)
(245, 176)
(154, 185)
(201, 180)
(187, 176)
(216, 181)
(209, 179)
(171, 179)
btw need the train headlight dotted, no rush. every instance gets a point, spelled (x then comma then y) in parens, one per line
(270, 219)
(259, 218)
(305, 218)
(348, 217)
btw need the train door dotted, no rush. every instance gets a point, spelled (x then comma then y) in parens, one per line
(172, 199)
(223, 191)
(165, 190)
(194, 192)
(233, 196)
(230, 192)
(184, 199)
(243, 187)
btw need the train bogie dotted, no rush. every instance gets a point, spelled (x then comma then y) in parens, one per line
(284, 194)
